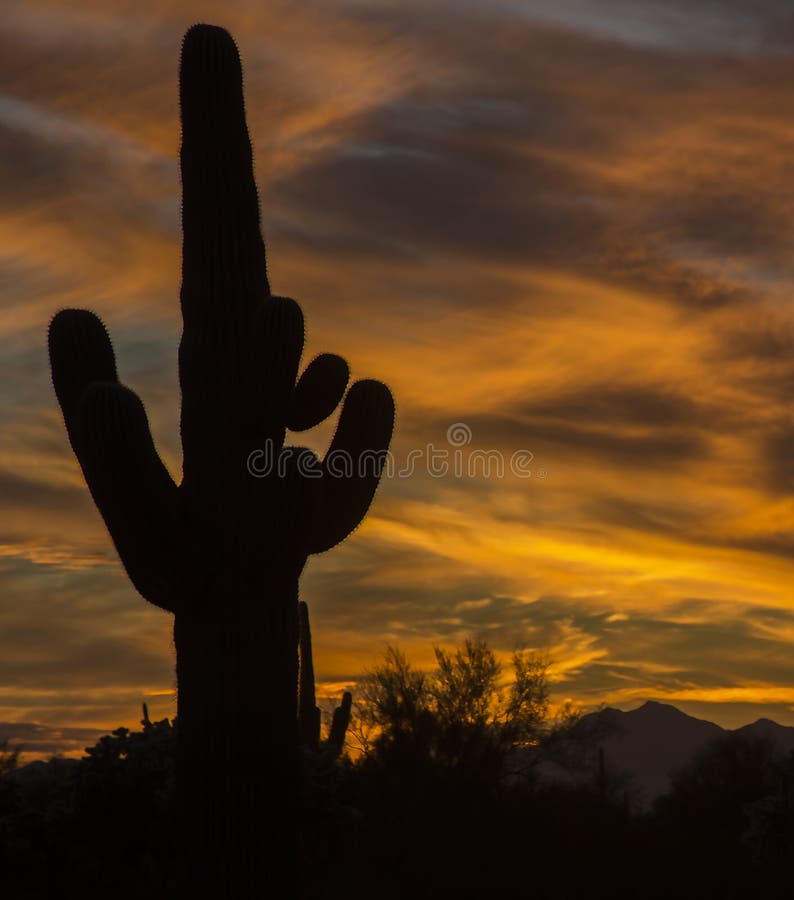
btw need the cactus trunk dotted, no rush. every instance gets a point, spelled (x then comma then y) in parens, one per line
(237, 764)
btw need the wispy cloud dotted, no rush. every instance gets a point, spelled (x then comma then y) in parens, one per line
(567, 225)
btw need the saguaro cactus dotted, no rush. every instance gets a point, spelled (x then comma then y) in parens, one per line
(308, 711)
(340, 723)
(223, 549)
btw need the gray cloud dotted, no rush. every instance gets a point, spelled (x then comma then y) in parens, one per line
(637, 147)
(551, 438)
(44, 740)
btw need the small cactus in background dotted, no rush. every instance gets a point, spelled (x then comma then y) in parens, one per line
(309, 716)
(340, 723)
(329, 821)
(308, 711)
(223, 550)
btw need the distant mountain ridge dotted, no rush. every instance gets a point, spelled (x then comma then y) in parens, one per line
(648, 744)
(651, 742)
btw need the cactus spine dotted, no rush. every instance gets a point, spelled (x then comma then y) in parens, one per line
(223, 550)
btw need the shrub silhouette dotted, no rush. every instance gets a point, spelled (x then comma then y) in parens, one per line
(102, 825)
(9, 757)
(458, 718)
(714, 824)
(223, 550)
(124, 804)
(713, 788)
(433, 783)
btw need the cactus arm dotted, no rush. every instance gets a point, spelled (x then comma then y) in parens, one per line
(318, 392)
(362, 437)
(132, 488)
(109, 432)
(308, 712)
(80, 353)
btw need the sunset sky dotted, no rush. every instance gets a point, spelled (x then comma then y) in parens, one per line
(565, 225)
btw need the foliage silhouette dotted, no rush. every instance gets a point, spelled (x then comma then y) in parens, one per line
(713, 788)
(9, 757)
(769, 831)
(459, 718)
(729, 812)
(223, 550)
(102, 826)
(435, 781)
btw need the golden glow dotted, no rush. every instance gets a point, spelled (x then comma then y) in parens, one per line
(598, 274)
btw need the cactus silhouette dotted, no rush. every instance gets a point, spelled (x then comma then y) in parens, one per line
(308, 711)
(340, 723)
(223, 550)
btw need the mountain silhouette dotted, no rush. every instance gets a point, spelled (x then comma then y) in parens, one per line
(781, 736)
(653, 741)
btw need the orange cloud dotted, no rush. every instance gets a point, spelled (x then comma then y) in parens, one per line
(572, 236)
